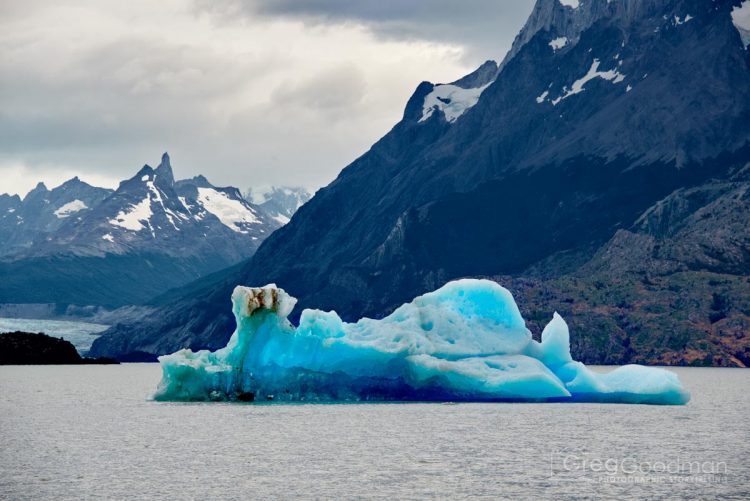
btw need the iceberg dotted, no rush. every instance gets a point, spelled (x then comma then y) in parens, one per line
(466, 341)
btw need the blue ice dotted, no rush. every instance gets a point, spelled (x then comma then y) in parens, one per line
(465, 341)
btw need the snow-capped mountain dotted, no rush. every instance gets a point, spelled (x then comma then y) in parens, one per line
(44, 211)
(152, 212)
(601, 111)
(280, 202)
(77, 233)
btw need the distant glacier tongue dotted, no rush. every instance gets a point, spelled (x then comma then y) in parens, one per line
(465, 341)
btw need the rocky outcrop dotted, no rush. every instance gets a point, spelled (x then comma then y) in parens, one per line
(24, 348)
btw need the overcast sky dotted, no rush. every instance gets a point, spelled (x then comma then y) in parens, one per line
(248, 93)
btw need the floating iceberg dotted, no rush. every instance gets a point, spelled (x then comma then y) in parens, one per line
(464, 342)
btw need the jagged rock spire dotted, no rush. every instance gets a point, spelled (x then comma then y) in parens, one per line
(164, 170)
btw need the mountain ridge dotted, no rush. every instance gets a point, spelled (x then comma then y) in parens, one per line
(83, 237)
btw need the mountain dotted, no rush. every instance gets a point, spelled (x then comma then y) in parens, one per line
(43, 212)
(88, 246)
(280, 202)
(610, 123)
(152, 212)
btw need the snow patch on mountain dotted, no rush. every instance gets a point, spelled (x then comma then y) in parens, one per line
(231, 213)
(452, 100)
(70, 208)
(558, 43)
(678, 21)
(578, 86)
(158, 198)
(132, 219)
(184, 203)
(141, 212)
(573, 4)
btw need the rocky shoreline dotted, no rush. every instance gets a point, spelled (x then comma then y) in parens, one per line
(26, 348)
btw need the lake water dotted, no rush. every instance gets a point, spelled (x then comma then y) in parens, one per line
(81, 334)
(89, 432)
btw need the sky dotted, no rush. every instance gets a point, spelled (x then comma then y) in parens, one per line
(248, 93)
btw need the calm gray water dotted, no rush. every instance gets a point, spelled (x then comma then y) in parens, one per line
(81, 334)
(88, 432)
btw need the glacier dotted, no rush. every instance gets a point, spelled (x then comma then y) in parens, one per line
(466, 341)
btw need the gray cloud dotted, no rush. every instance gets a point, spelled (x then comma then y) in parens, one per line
(332, 89)
(485, 27)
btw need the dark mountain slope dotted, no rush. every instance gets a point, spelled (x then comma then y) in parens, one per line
(674, 288)
(572, 141)
(110, 281)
